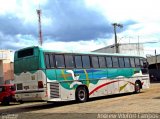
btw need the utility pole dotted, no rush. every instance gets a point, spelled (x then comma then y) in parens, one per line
(138, 47)
(40, 31)
(156, 59)
(116, 44)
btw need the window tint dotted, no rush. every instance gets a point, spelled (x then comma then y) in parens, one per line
(78, 61)
(115, 61)
(59, 61)
(109, 61)
(145, 63)
(25, 53)
(47, 61)
(52, 60)
(69, 61)
(132, 62)
(95, 62)
(86, 61)
(137, 63)
(141, 62)
(126, 61)
(102, 62)
(121, 62)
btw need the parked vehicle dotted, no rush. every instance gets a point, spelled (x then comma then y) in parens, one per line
(41, 74)
(7, 94)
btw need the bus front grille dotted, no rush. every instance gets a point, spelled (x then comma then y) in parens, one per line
(54, 90)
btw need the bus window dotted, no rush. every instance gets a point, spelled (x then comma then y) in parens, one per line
(47, 61)
(95, 63)
(86, 61)
(102, 62)
(52, 60)
(78, 61)
(59, 61)
(121, 62)
(69, 61)
(126, 62)
(144, 66)
(141, 62)
(109, 61)
(132, 62)
(137, 63)
(115, 61)
(25, 53)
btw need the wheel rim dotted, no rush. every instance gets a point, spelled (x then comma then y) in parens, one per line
(137, 88)
(81, 94)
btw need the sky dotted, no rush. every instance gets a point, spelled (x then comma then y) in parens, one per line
(79, 25)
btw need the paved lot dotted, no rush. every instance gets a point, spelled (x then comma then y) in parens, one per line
(148, 101)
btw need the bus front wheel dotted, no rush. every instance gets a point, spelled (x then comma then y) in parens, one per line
(81, 94)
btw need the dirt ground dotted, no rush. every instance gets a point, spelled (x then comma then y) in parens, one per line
(148, 101)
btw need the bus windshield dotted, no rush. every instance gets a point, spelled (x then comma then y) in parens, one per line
(26, 60)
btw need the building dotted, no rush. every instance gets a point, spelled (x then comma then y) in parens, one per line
(154, 67)
(6, 66)
(128, 48)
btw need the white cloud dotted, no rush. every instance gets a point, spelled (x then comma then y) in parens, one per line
(144, 12)
(79, 46)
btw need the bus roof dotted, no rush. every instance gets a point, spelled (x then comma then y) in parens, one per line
(85, 53)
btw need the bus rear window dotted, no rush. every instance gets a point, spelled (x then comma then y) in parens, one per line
(25, 53)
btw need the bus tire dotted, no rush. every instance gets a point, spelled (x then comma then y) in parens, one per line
(81, 94)
(137, 87)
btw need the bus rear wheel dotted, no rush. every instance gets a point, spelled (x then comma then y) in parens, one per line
(81, 94)
(137, 87)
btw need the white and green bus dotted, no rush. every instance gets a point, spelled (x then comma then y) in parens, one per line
(62, 76)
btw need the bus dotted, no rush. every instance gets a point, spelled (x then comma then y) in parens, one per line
(63, 76)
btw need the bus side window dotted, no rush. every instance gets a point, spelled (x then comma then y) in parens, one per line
(59, 61)
(69, 62)
(144, 66)
(115, 62)
(52, 60)
(144, 63)
(137, 63)
(78, 61)
(102, 62)
(127, 62)
(47, 61)
(86, 61)
(132, 62)
(141, 62)
(109, 62)
(121, 62)
(95, 63)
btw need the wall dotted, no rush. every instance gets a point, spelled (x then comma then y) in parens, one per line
(1, 72)
(6, 67)
(153, 60)
(132, 49)
(8, 71)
